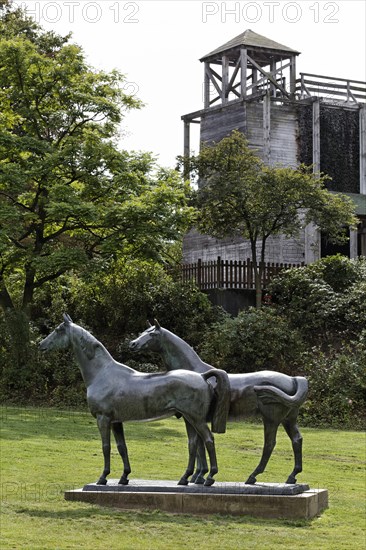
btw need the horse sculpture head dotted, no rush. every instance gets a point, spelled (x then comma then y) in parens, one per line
(59, 338)
(150, 339)
(67, 333)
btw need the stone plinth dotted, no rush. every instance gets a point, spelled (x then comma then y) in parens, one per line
(266, 500)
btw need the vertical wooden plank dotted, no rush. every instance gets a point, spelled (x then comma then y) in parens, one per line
(316, 135)
(249, 273)
(199, 273)
(225, 79)
(272, 87)
(243, 75)
(187, 148)
(293, 76)
(363, 149)
(206, 90)
(267, 128)
(218, 271)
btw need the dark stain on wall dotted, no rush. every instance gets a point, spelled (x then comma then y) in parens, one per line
(305, 137)
(339, 148)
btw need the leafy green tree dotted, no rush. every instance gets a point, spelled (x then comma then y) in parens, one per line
(241, 196)
(68, 197)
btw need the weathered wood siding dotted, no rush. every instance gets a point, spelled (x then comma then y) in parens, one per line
(279, 249)
(284, 132)
(219, 123)
(248, 118)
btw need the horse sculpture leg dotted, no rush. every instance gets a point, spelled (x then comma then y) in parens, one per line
(201, 464)
(192, 449)
(208, 439)
(104, 426)
(202, 468)
(296, 439)
(270, 432)
(119, 436)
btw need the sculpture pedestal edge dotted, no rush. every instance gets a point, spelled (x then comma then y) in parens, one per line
(222, 498)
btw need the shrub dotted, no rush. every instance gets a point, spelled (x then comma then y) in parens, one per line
(337, 387)
(256, 339)
(326, 300)
(308, 304)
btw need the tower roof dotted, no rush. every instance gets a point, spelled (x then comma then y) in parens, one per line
(252, 40)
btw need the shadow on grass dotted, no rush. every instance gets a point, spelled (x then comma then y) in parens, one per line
(155, 516)
(20, 424)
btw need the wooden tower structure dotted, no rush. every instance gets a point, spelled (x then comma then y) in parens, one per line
(250, 84)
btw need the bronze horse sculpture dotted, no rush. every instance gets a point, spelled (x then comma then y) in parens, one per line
(273, 395)
(116, 393)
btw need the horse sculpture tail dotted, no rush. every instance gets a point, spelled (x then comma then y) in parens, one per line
(221, 401)
(271, 394)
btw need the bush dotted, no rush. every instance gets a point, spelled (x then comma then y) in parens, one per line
(325, 301)
(337, 387)
(256, 339)
(116, 305)
(338, 271)
(28, 376)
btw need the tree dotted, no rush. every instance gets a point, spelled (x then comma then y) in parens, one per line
(241, 196)
(68, 196)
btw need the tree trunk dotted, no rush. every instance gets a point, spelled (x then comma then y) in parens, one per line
(17, 323)
(257, 276)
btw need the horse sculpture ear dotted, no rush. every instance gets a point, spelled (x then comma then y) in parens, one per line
(149, 325)
(157, 324)
(67, 319)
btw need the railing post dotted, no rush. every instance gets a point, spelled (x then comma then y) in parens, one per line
(199, 273)
(218, 272)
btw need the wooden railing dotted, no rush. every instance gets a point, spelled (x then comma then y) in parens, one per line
(229, 274)
(350, 91)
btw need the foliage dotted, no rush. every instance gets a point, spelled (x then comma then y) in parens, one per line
(40, 379)
(314, 328)
(239, 195)
(254, 340)
(118, 302)
(337, 381)
(325, 300)
(68, 195)
(308, 303)
(113, 302)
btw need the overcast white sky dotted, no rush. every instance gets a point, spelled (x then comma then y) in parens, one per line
(157, 45)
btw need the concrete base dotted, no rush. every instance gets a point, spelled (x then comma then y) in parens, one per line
(263, 500)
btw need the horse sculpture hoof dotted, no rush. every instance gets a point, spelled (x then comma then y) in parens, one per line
(123, 481)
(102, 481)
(183, 481)
(200, 480)
(209, 481)
(291, 480)
(251, 480)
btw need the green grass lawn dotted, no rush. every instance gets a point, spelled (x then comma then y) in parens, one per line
(44, 452)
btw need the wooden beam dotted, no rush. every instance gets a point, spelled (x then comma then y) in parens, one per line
(267, 128)
(210, 74)
(243, 77)
(293, 76)
(186, 150)
(206, 90)
(225, 79)
(363, 149)
(268, 76)
(233, 77)
(316, 136)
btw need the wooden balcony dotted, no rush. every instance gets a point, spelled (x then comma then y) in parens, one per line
(229, 274)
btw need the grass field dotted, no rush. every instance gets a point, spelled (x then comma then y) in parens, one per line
(44, 452)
